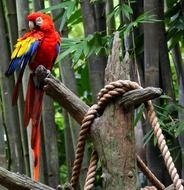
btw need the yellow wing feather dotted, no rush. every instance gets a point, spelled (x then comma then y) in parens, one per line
(22, 47)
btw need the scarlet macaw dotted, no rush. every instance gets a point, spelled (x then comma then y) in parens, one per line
(40, 46)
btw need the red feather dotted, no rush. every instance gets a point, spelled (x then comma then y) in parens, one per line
(28, 107)
(17, 87)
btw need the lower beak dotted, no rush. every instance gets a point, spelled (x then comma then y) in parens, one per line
(31, 25)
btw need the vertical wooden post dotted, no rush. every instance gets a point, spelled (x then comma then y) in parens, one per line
(113, 134)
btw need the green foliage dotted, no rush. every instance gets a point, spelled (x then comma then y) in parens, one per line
(119, 9)
(168, 119)
(70, 14)
(82, 48)
(174, 20)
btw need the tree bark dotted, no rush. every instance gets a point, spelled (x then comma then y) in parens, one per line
(38, 5)
(152, 78)
(180, 76)
(15, 181)
(22, 12)
(113, 136)
(110, 23)
(51, 156)
(165, 70)
(97, 64)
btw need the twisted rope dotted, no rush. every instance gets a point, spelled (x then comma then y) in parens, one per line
(87, 121)
(162, 146)
(110, 91)
(149, 188)
(89, 182)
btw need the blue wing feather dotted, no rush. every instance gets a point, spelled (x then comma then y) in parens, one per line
(58, 48)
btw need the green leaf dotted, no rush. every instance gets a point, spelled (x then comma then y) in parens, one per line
(148, 136)
(75, 18)
(78, 53)
(115, 12)
(180, 129)
(70, 9)
(86, 49)
(64, 54)
(63, 21)
(57, 6)
(127, 11)
(138, 116)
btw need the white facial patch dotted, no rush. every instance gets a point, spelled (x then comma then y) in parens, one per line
(39, 21)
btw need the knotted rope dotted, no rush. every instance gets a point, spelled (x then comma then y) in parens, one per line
(109, 92)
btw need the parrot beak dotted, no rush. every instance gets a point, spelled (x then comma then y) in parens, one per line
(31, 25)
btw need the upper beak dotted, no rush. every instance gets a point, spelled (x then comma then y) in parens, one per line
(31, 25)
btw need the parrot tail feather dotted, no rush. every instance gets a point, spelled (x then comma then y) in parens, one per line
(36, 125)
(29, 102)
(35, 144)
(32, 110)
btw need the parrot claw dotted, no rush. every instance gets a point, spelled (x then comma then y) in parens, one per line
(48, 73)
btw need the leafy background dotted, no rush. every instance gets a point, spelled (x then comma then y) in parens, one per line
(151, 33)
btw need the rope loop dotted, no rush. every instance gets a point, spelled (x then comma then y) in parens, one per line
(109, 92)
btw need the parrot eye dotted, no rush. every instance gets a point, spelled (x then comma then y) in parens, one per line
(39, 21)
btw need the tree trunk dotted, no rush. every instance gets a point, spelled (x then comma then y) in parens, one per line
(180, 73)
(165, 70)
(113, 136)
(38, 5)
(22, 12)
(51, 158)
(3, 147)
(110, 23)
(152, 78)
(97, 64)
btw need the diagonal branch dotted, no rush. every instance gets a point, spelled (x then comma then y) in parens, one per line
(15, 181)
(76, 107)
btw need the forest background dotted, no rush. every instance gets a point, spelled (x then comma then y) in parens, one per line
(151, 36)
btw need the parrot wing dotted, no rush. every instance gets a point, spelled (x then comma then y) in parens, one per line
(24, 50)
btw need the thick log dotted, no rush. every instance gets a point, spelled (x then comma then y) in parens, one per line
(113, 134)
(14, 181)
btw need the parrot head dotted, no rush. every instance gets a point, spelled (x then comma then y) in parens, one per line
(40, 21)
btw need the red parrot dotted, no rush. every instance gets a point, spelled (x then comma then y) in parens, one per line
(40, 46)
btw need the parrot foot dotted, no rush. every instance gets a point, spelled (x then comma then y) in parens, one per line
(48, 73)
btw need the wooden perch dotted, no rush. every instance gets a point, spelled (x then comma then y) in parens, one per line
(138, 96)
(14, 181)
(77, 108)
(59, 92)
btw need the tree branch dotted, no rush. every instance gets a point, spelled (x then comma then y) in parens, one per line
(15, 181)
(59, 92)
(77, 108)
(138, 96)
